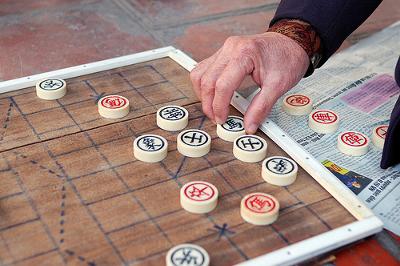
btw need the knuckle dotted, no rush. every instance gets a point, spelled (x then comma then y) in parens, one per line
(232, 40)
(221, 85)
(250, 43)
(260, 109)
(195, 75)
(248, 47)
(206, 84)
(278, 87)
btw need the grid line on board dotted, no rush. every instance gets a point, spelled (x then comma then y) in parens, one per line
(66, 127)
(34, 208)
(175, 175)
(135, 199)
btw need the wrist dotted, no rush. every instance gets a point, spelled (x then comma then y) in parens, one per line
(304, 35)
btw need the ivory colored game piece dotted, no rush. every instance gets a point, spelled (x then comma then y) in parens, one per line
(188, 255)
(297, 104)
(231, 129)
(199, 197)
(250, 148)
(259, 208)
(379, 135)
(353, 143)
(323, 121)
(193, 143)
(279, 170)
(172, 118)
(113, 106)
(51, 89)
(150, 148)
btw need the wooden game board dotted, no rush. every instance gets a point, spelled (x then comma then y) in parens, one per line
(72, 193)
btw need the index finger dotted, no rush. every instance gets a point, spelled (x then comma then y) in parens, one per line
(229, 81)
(197, 73)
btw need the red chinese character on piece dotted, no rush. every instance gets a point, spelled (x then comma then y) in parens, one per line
(113, 102)
(354, 139)
(298, 100)
(260, 203)
(199, 192)
(381, 131)
(324, 117)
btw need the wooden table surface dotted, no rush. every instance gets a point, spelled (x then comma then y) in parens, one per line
(39, 36)
(73, 192)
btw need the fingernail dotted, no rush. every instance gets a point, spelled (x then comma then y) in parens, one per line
(252, 129)
(219, 120)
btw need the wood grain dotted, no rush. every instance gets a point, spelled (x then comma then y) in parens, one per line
(72, 193)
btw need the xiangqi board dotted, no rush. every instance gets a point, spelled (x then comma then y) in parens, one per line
(72, 191)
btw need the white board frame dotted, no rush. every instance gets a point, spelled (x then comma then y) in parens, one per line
(367, 223)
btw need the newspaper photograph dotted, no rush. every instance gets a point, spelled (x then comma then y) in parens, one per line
(358, 85)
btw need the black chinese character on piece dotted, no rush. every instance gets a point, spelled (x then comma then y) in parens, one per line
(187, 256)
(172, 113)
(280, 165)
(233, 124)
(150, 145)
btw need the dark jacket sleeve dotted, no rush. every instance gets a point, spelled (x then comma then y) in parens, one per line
(333, 20)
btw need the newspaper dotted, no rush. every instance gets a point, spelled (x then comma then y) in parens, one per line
(357, 84)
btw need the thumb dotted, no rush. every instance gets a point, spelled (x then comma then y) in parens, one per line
(261, 106)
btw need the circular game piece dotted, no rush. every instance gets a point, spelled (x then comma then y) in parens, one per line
(279, 170)
(353, 143)
(51, 89)
(250, 148)
(323, 121)
(172, 118)
(199, 197)
(231, 129)
(150, 148)
(297, 104)
(187, 255)
(259, 208)
(379, 135)
(113, 106)
(193, 143)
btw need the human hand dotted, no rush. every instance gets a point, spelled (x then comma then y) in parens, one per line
(275, 62)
